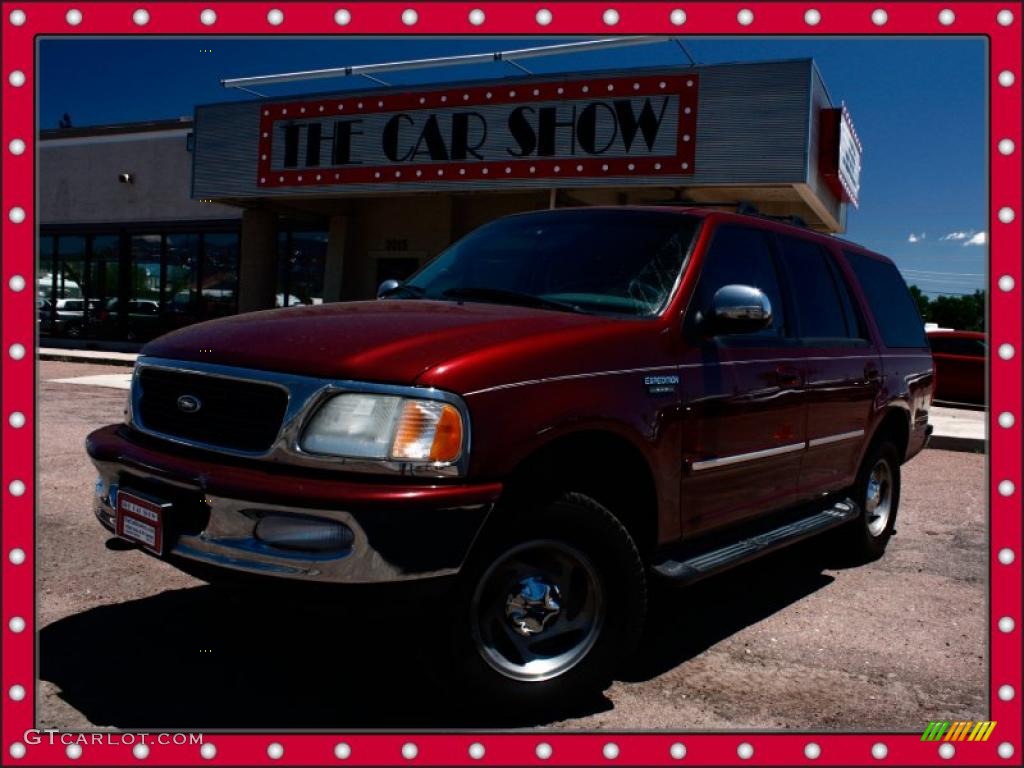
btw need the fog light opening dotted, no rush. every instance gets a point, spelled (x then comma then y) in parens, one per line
(307, 534)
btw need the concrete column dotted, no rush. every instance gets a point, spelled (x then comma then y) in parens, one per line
(257, 271)
(337, 232)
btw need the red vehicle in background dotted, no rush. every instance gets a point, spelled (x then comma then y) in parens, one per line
(959, 365)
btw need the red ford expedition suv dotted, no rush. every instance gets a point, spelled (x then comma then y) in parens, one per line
(558, 409)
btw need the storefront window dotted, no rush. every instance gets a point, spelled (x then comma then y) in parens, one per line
(103, 286)
(181, 297)
(219, 294)
(302, 255)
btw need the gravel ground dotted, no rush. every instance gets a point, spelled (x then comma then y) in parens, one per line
(789, 642)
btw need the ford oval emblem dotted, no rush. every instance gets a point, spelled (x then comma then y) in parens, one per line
(189, 404)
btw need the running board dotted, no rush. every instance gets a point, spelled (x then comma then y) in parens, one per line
(729, 555)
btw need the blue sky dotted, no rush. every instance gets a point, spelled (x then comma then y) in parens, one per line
(919, 105)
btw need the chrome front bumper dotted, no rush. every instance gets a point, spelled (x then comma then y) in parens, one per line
(228, 540)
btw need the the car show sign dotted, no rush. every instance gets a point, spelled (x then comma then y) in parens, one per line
(603, 126)
(840, 154)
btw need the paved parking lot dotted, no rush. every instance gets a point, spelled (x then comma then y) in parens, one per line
(792, 641)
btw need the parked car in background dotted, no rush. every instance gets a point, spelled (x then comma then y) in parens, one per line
(959, 365)
(65, 317)
(143, 321)
(558, 409)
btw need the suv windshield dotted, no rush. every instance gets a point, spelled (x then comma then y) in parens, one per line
(617, 261)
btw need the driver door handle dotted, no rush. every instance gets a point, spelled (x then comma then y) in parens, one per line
(787, 376)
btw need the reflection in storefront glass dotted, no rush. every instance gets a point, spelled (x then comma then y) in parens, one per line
(219, 295)
(102, 287)
(181, 298)
(300, 267)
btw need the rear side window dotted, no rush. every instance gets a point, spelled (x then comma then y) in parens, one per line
(891, 303)
(741, 256)
(819, 300)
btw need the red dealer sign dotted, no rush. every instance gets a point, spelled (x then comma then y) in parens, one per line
(621, 126)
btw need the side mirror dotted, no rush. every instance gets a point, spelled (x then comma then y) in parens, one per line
(386, 287)
(737, 309)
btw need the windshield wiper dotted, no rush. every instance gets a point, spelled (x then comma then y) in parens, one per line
(411, 291)
(503, 296)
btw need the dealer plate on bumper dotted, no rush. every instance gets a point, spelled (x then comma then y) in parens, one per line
(141, 520)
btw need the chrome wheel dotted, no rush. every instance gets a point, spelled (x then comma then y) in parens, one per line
(878, 498)
(537, 611)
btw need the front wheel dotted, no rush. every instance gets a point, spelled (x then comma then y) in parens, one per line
(550, 602)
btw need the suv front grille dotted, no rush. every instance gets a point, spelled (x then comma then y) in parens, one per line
(235, 414)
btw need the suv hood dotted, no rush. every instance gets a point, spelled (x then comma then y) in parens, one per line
(390, 341)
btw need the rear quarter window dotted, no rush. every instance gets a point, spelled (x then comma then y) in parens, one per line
(889, 301)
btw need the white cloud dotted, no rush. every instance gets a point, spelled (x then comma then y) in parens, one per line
(978, 238)
(916, 238)
(957, 235)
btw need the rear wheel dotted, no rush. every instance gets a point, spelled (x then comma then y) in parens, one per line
(549, 603)
(877, 491)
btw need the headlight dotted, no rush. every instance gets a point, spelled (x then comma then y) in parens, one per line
(385, 427)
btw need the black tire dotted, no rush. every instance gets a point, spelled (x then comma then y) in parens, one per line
(525, 549)
(866, 538)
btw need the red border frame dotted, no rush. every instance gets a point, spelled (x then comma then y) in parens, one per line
(410, 173)
(18, 376)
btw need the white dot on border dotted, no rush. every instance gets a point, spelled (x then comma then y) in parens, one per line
(543, 750)
(16, 283)
(73, 17)
(16, 692)
(208, 751)
(677, 17)
(410, 750)
(476, 750)
(879, 751)
(1006, 78)
(1006, 488)
(812, 17)
(16, 419)
(1005, 750)
(544, 17)
(1006, 146)
(16, 78)
(17, 17)
(1006, 214)
(275, 16)
(17, 147)
(1006, 556)
(610, 751)
(17, 351)
(73, 751)
(946, 751)
(610, 17)
(342, 17)
(1006, 351)
(208, 17)
(1006, 283)
(1006, 693)
(17, 750)
(1005, 19)
(140, 17)
(342, 751)
(16, 624)
(946, 17)
(677, 751)
(17, 556)
(745, 17)
(812, 751)
(17, 488)
(141, 751)
(410, 17)
(879, 17)
(745, 751)
(1006, 625)
(275, 751)
(1006, 420)
(477, 17)
(16, 214)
